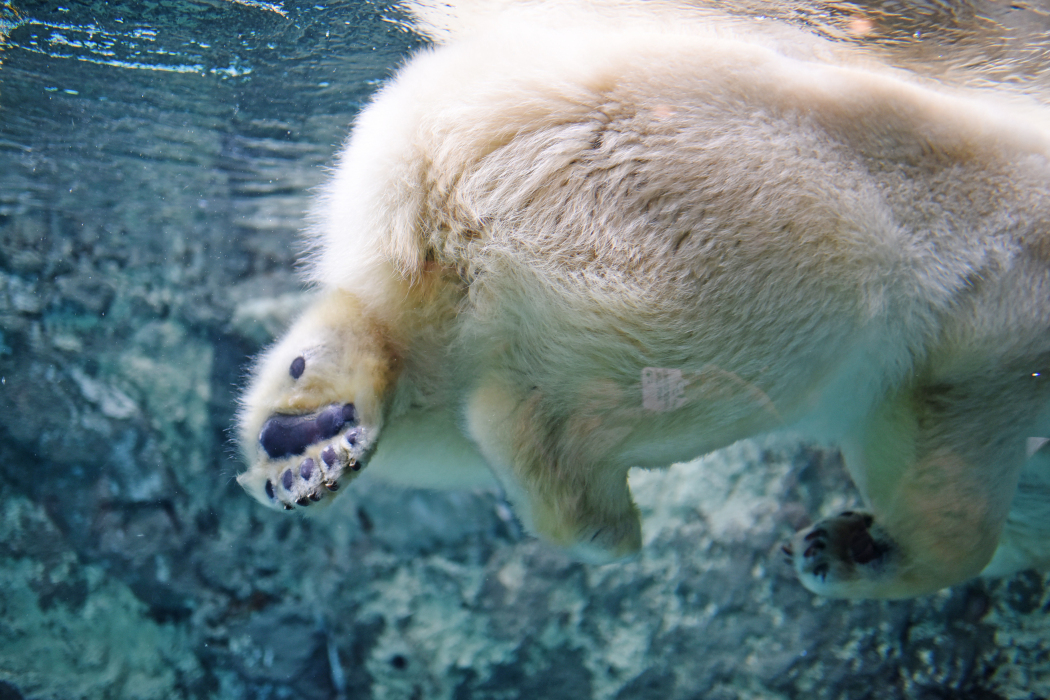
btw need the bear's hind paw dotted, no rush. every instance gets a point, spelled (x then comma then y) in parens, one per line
(841, 556)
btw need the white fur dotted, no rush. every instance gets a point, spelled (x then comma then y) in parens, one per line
(563, 197)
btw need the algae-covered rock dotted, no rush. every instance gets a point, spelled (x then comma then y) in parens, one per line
(70, 630)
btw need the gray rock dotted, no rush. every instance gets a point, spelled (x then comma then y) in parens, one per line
(70, 630)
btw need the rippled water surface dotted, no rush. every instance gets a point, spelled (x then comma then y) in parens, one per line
(156, 161)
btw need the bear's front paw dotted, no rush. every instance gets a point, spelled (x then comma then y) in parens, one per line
(304, 457)
(842, 556)
(312, 413)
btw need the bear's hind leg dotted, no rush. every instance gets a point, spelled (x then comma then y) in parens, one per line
(568, 497)
(939, 477)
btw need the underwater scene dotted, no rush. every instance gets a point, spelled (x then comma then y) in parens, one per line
(158, 163)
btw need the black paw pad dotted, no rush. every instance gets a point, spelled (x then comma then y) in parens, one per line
(285, 435)
(863, 548)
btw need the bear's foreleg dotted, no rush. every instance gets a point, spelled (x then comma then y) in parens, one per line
(314, 407)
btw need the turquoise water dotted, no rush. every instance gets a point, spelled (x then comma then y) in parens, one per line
(156, 162)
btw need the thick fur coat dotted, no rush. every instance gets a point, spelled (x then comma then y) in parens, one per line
(575, 239)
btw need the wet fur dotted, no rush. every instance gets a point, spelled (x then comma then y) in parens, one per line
(528, 217)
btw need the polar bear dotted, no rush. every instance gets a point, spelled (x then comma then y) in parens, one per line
(569, 240)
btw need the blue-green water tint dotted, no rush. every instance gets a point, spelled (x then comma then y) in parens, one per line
(156, 161)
